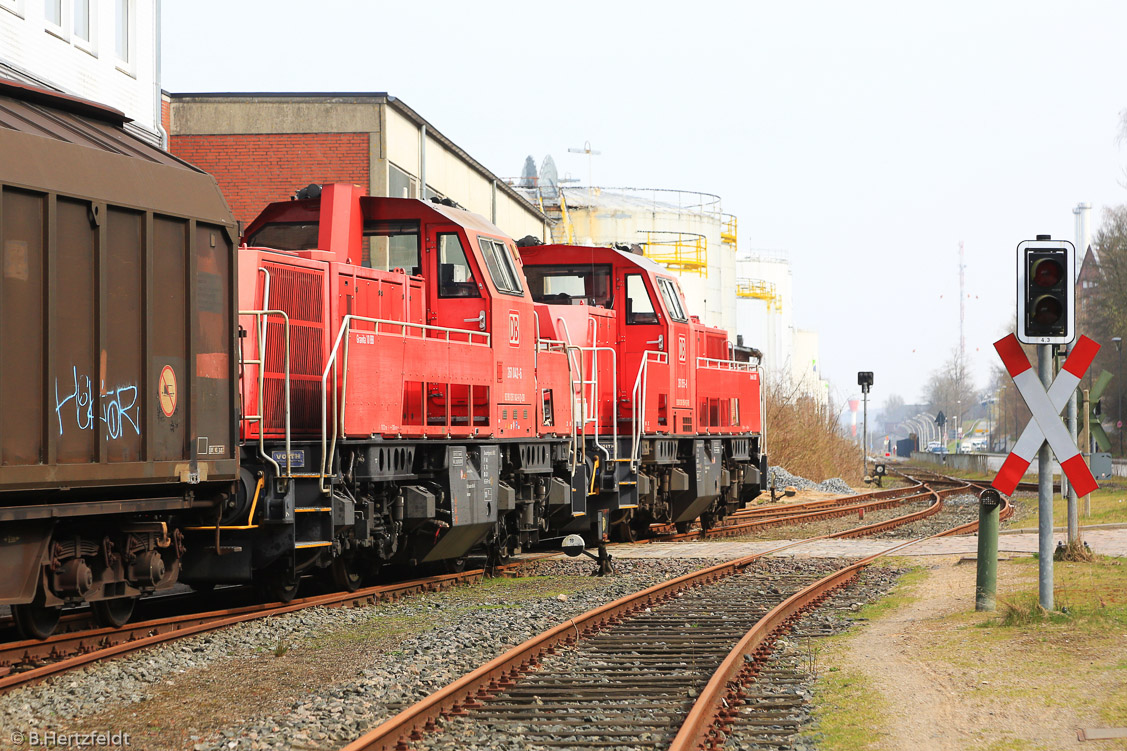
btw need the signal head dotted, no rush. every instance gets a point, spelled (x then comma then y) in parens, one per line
(1046, 292)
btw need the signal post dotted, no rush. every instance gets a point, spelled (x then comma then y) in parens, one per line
(1046, 274)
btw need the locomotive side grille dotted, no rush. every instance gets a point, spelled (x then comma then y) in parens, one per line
(300, 293)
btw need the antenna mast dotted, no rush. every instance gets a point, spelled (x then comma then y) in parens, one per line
(962, 308)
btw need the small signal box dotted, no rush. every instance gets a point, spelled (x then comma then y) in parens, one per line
(1046, 290)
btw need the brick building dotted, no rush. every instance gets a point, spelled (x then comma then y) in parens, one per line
(264, 147)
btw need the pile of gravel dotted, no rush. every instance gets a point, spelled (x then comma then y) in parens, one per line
(780, 478)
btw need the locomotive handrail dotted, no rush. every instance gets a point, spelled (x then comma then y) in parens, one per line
(593, 336)
(578, 411)
(260, 418)
(641, 384)
(614, 400)
(719, 364)
(577, 415)
(327, 453)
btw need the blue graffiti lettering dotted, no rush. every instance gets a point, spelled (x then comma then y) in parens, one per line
(119, 409)
(115, 412)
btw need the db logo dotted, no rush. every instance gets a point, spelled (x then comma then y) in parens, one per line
(514, 328)
(682, 355)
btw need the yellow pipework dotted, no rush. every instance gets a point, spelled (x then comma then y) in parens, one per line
(250, 516)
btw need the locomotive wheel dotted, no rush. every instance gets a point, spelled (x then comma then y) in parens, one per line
(346, 573)
(113, 613)
(277, 586)
(36, 620)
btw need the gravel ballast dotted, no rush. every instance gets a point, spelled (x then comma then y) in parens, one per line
(321, 677)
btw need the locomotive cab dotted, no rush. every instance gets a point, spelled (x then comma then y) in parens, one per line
(690, 413)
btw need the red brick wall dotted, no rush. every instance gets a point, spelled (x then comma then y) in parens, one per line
(165, 113)
(254, 170)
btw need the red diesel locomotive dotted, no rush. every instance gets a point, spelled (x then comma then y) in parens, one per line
(476, 396)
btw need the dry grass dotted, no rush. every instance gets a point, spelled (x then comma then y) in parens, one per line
(806, 439)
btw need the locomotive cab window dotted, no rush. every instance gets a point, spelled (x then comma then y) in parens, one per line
(571, 285)
(455, 277)
(501, 267)
(286, 236)
(672, 299)
(392, 245)
(639, 306)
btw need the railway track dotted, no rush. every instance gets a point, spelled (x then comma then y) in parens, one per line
(27, 661)
(664, 668)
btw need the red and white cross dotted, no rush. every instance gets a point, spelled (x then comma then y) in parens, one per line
(1046, 407)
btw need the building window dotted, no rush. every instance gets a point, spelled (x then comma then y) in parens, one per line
(53, 10)
(82, 20)
(399, 183)
(15, 6)
(123, 39)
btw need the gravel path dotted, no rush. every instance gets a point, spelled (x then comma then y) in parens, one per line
(317, 678)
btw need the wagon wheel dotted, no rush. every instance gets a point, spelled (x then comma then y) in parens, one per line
(34, 620)
(114, 613)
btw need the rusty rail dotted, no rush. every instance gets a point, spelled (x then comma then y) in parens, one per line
(72, 650)
(500, 672)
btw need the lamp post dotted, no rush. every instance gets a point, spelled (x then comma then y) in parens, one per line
(1118, 341)
(958, 423)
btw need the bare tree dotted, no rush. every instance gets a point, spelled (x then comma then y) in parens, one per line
(951, 390)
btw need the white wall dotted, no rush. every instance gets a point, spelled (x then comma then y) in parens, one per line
(57, 56)
(790, 355)
(448, 174)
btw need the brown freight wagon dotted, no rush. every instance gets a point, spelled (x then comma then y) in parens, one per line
(118, 358)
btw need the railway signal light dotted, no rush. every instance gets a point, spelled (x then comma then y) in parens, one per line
(1046, 291)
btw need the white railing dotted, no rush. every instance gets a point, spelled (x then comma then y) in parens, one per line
(641, 384)
(328, 449)
(587, 413)
(713, 363)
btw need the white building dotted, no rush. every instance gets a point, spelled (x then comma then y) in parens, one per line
(765, 319)
(685, 231)
(107, 51)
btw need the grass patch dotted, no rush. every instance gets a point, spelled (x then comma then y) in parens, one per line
(1109, 506)
(902, 594)
(1089, 596)
(848, 711)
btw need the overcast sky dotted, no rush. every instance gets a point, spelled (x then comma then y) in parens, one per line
(864, 139)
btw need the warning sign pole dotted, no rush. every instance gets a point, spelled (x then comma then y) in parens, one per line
(1045, 494)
